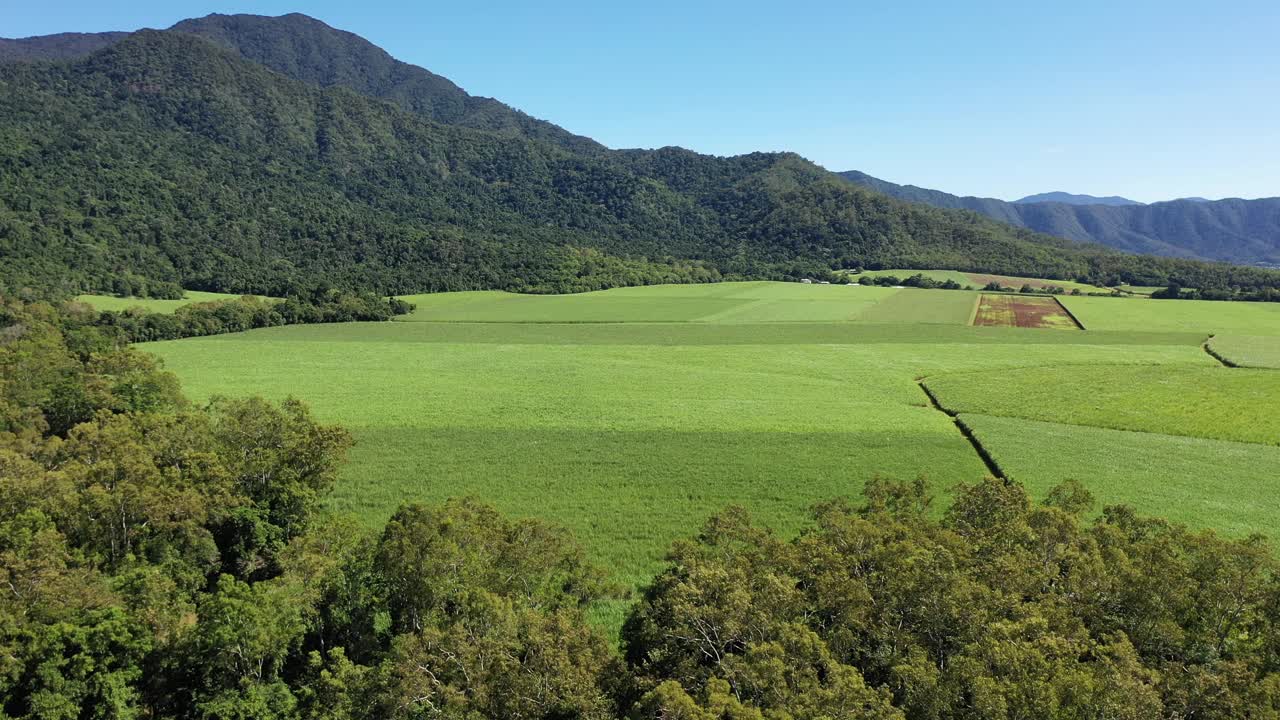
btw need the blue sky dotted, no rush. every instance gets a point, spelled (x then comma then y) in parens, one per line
(1151, 100)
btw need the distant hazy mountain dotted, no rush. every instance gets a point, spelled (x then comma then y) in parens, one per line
(1233, 230)
(1069, 199)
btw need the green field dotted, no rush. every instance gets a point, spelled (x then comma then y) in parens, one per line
(1248, 350)
(630, 415)
(756, 302)
(1208, 401)
(1203, 316)
(117, 304)
(913, 305)
(1228, 486)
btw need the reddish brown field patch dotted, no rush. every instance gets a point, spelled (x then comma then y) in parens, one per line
(1024, 311)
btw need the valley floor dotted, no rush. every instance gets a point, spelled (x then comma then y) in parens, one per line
(630, 415)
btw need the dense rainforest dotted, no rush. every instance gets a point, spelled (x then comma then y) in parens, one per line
(163, 559)
(1230, 230)
(261, 153)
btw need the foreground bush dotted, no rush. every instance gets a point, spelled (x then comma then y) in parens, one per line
(1001, 609)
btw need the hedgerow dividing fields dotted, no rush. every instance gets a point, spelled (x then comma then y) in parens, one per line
(631, 415)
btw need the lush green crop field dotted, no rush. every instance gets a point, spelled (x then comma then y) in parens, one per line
(720, 302)
(1210, 401)
(913, 305)
(1248, 351)
(1202, 316)
(110, 302)
(1228, 486)
(630, 415)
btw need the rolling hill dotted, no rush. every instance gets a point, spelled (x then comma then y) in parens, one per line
(1232, 230)
(249, 154)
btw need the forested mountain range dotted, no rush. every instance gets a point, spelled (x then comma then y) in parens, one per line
(1073, 199)
(62, 46)
(1232, 230)
(249, 154)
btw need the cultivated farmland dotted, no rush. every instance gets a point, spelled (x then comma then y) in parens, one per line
(630, 415)
(1229, 486)
(1023, 311)
(1207, 401)
(1209, 318)
(1248, 350)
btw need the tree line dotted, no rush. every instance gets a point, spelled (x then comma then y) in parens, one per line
(1174, 291)
(322, 305)
(166, 559)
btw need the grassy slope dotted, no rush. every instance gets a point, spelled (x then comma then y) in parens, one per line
(1209, 401)
(110, 302)
(1104, 313)
(1203, 483)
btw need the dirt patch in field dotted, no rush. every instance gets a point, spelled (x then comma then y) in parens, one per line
(1023, 311)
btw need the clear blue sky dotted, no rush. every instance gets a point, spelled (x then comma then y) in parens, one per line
(1151, 100)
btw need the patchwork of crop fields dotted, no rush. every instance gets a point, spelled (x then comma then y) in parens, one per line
(630, 415)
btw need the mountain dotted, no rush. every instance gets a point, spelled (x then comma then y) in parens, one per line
(1233, 230)
(169, 157)
(307, 49)
(1069, 199)
(63, 46)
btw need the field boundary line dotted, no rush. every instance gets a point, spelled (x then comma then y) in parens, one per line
(1067, 310)
(987, 459)
(1215, 354)
(973, 312)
